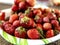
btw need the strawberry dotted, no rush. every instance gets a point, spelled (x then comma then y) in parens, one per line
(40, 30)
(23, 6)
(47, 26)
(26, 21)
(20, 14)
(4, 23)
(9, 29)
(38, 19)
(13, 18)
(33, 34)
(39, 26)
(2, 15)
(36, 11)
(17, 2)
(29, 13)
(57, 12)
(31, 3)
(46, 19)
(55, 23)
(51, 16)
(49, 33)
(14, 8)
(16, 23)
(48, 10)
(1, 24)
(20, 32)
(57, 28)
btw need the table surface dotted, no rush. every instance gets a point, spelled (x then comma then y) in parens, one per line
(4, 42)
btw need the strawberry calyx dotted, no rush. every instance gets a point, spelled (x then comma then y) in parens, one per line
(59, 19)
(41, 32)
(36, 17)
(25, 19)
(0, 22)
(56, 32)
(20, 30)
(28, 11)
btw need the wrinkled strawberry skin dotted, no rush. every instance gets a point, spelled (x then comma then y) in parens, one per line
(9, 29)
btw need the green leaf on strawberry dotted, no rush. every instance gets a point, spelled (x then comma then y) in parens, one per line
(25, 19)
(1, 22)
(59, 19)
(56, 32)
(36, 17)
(28, 11)
(41, 32)
(20, 29)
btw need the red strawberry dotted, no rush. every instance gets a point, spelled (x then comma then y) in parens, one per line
(20, 14)
(36, 11)
(17, 2)
(57, 12)
(16, 23)
(25, 21)
(14, 8)
(31, 2)
(9, 29)
(51, 16)
(46, 19)
(49, 33)
(39, 26)
(55, 23)
(22, 5)
(47, 26)
(57, 28)
(2, 15)
(40, 30)
(29, 13)
(33, 34)
(38, 19)
(1, 24)
(4, 23)
(13, 18)
(20, 32)
(48, 10)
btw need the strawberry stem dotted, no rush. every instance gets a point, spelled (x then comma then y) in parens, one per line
(27, 11)
(59, 19)
(1, 22)
(56, 32)
(41, 33)
(36, 17)
(20, 29)
(25, 19)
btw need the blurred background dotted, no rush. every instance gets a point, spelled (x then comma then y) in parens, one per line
(4, 4)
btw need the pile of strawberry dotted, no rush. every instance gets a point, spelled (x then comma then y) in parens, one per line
(34, 23)
(31, 23)
(22, 5)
